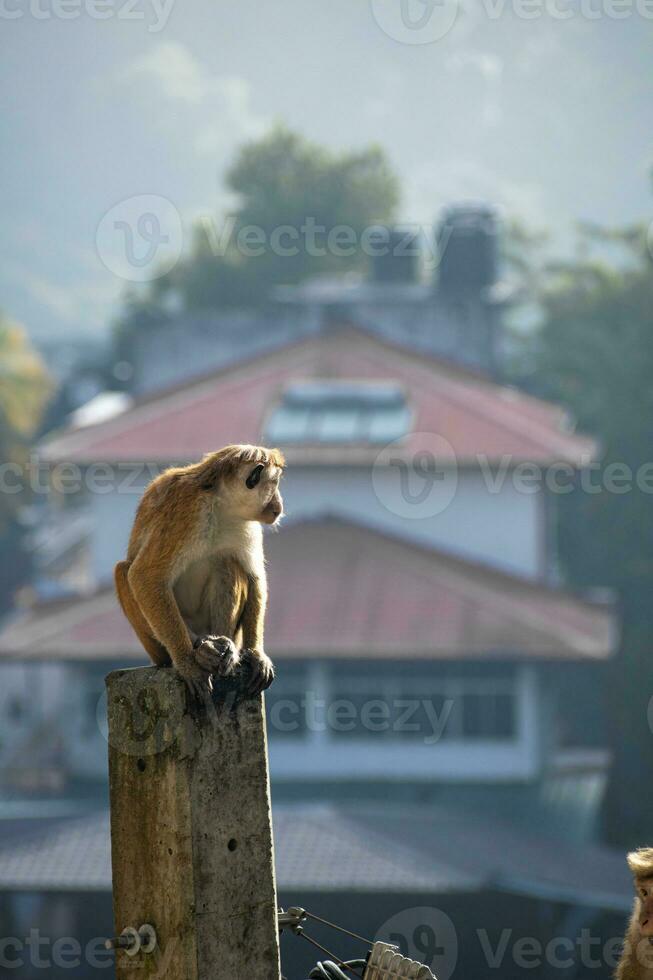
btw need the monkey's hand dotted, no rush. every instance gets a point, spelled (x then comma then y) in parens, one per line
(197, 680)
(216, 655)
(261, 670)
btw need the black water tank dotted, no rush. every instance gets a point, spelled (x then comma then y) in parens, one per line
(467, 249)
(394, 253)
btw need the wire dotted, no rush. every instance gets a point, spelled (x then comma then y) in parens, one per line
(354, 935)
(340, 965)
(331, 971)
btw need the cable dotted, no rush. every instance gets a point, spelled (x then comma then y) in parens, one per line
(354, 935)
(331, 971)
(328, 969)
(351, 966)
(340, 964)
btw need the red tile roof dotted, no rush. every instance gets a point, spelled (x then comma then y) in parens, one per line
(341, 590)
(474, 415)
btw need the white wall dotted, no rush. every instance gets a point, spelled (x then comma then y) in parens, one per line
(504, 528)
(30, 738)
(113, 515)
(63, 720)
(85, 731)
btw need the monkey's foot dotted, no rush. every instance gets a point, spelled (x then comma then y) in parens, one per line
(216, 655)
(261, 670)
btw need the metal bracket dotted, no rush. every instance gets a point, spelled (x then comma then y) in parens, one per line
(292, 919)
(134, 941)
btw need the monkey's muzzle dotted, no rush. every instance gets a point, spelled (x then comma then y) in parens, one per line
(272, 512)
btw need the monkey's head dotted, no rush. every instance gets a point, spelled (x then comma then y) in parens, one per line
(640, 863)
(246, 479)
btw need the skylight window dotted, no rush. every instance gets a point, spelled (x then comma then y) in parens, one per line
(339, 412)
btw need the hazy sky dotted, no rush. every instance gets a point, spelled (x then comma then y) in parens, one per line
(550, 118)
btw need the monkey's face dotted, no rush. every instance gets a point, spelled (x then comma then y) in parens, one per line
(255, 494)
(644, 910)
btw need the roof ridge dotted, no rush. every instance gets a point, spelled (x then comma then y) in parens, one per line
(448, 373)
(533, 584)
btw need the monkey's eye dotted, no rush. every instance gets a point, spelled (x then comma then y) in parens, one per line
(644, 892)
(254, 477)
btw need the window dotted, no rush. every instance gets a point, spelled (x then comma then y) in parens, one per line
(344, 704)
(332, 412)
(425, 709)
(16, 709)
(287, 704)
(488, 715)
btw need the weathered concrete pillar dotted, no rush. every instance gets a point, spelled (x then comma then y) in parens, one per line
(191, 832)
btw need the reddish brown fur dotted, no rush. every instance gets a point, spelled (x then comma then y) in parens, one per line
(194, 555)
(637, 958)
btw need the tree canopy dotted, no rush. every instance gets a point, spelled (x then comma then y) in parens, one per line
(594, 353)
(24, 391)
(291, 195)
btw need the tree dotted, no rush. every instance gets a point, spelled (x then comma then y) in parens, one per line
(291, 195)
(594, 353)
(283, 181)
(24, 391)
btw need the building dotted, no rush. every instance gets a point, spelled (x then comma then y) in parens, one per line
(467, 895)
(426, 648)
(456, 583)
(437, 293)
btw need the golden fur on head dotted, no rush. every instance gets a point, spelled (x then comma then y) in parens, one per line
(640, 862)
(226, 462)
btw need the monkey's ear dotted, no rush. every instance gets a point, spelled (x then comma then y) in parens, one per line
(254, 477)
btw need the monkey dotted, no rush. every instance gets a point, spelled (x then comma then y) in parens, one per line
(193, 585)
(636, 961)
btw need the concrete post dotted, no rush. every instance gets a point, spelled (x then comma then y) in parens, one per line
(191, 832)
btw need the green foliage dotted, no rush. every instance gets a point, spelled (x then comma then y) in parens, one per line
(594, 353)
(24, 386)
(281, 181)
(24, 391)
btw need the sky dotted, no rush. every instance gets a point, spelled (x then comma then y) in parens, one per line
(542, 107)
